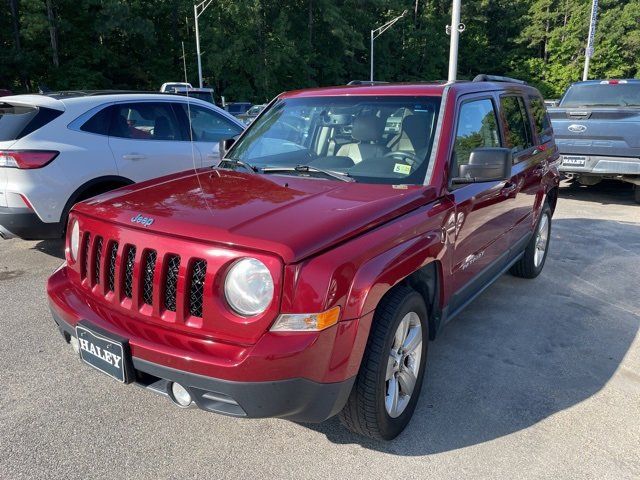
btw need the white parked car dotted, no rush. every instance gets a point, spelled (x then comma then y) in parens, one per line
(58, 149)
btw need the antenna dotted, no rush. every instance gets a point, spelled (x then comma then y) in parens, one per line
(193, 154)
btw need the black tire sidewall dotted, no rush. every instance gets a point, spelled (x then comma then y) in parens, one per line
(391, 427)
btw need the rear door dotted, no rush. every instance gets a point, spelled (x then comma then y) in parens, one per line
(527, 167)
(147, 141)
(208, 127)
(482, 221)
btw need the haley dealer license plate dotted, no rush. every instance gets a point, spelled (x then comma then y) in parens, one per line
(102, 353)
(573, 161)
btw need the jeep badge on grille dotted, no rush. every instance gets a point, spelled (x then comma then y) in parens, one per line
(146, 221)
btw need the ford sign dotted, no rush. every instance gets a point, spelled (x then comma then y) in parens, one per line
(577, 128)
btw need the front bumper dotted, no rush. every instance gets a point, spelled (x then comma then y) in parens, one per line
(295, 399)
(24, 223)
(304, 377)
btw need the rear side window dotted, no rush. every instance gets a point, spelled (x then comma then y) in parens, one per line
(516, 124)
(99, 123)
(540, 116)
(16, 121)
(145, 121)
(209, 126)
(477, 127)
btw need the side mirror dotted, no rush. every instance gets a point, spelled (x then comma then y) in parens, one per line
(486, 165)
(225, 145)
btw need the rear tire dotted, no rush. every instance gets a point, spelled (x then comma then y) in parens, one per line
(532, 262)
(636, 193)
(388, 384)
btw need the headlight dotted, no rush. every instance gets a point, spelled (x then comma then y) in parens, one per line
(249, 287)
(75, 240)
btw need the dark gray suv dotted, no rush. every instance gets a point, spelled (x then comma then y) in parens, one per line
(597, 129)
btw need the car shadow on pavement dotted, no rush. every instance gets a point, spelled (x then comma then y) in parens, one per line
(607, 192)
(54, 248)
(527, 349)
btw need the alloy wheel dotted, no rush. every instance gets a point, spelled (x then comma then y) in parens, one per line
(403, 365)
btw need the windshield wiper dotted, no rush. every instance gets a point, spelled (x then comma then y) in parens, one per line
(345, 177)
(234, 161)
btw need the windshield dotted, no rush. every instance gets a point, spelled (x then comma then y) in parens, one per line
(602, 95)
(370, 139)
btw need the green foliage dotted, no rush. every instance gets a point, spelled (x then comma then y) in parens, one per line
(254, 49)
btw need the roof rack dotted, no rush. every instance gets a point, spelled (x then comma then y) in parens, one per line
(497, 78)
(92, 93)
(366, 82)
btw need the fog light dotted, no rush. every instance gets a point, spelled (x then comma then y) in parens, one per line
(180, 395)
(75, 344)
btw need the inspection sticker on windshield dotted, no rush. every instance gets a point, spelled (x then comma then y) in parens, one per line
(403, 169)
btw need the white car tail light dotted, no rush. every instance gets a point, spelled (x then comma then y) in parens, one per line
(26, 159)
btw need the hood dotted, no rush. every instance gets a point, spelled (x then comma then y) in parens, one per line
(293, 217)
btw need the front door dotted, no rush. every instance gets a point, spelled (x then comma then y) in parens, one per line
(482, 217)
(147, 142)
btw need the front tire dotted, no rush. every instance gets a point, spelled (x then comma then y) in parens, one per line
(636, 193)
(532, 262)
(388, 384)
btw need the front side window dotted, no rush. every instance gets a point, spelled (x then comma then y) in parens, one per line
(209, 126)
(370, 139)
(516, 124)
(477, 127)
(540, 116)
(145, 121)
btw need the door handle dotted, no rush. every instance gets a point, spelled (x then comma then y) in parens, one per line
(509, 188)
(134, 156)
(213, 156)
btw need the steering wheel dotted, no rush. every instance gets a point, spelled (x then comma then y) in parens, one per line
(408, 157)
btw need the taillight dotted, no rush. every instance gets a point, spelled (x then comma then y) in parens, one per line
(26, 159)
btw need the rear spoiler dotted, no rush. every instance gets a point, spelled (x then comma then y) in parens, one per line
(33, 101)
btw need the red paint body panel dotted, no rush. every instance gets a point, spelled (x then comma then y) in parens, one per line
(326, 243)
(258, 212)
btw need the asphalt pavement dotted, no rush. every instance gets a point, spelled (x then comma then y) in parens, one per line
(536, 379)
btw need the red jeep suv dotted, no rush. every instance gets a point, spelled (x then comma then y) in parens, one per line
(304, 276)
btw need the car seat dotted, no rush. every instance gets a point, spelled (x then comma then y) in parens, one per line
(162, 129)
(367, 131)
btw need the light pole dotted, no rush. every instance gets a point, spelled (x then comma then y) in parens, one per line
(455, 29)
(592, 33)
(379, 31)
(198, 10)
